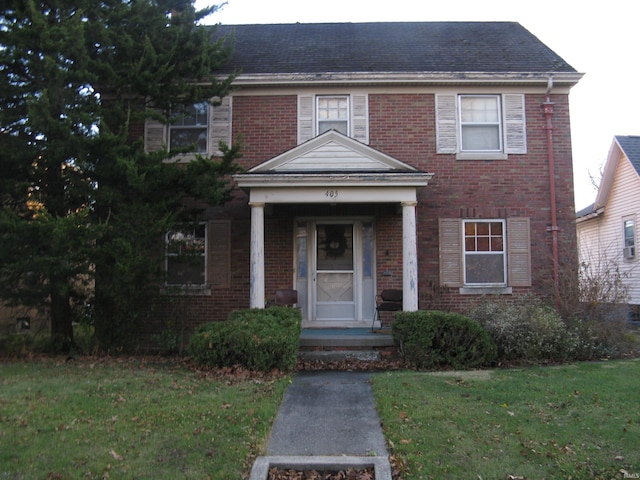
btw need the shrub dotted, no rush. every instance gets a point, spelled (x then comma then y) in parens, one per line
(526, 331)
(430, 339)
(258, 339)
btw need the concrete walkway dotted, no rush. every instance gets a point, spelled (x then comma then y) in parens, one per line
(327, 420)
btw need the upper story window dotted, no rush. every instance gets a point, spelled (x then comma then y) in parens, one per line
(186, 253)
(348, 114)
(484, 253)
(332, 113)
(190, 128)
(482, 127)
(629, 249)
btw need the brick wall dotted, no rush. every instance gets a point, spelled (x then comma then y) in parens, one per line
(518, 186)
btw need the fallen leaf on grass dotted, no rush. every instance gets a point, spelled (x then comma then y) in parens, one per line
(113, 453)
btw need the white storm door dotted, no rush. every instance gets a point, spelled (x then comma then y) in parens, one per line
(335, 272)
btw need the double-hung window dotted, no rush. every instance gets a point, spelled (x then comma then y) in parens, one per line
(189, 128)
(629, 248)
(484, 127)
(186, 254)
(480, 126)
(332, 113)
(484, 253)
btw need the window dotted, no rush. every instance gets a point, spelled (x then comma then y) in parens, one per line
(629, 249)
(484, 253)
(189, 128)
(333, 114)
(186, 255)
(480, 128)
(347, 114)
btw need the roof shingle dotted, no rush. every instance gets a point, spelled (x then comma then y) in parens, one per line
(494, 47)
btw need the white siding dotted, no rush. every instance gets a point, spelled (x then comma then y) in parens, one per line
(600, 240)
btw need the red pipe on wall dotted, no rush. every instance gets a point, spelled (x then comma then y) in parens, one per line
(553, 228)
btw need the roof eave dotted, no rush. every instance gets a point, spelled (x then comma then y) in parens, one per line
(335, 179)
(560, 79)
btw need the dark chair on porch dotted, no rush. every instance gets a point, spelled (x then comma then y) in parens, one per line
(389, 300)
(286, 298)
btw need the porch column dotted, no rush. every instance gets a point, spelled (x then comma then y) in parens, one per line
(409, 258)
(256, 279)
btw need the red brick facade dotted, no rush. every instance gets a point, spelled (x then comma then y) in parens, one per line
(402, 126)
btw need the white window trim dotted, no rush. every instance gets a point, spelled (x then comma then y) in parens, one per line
(490, 286)
(337, 96)
(625, 255)
(203, 128)
(499, 123)
(358, 120)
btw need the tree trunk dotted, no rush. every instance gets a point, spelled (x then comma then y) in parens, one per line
(61, 322)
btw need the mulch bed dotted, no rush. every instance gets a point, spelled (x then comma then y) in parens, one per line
(348, 474)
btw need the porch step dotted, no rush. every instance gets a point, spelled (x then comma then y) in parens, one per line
(343, 339)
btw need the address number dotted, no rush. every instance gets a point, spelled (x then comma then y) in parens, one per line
(331, 193)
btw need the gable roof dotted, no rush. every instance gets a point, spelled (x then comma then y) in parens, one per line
(332, 152)
(389, 47)
(621, 147)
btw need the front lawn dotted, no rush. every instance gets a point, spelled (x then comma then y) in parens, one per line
(577, 421)
(127, 419)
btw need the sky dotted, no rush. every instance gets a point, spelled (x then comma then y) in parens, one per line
(599, 39)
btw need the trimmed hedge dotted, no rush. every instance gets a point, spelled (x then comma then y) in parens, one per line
(435, 339)
(258, 339)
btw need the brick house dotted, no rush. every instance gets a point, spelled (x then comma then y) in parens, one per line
(414, 156)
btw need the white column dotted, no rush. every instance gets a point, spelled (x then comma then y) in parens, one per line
(256, 291)
(409, 258)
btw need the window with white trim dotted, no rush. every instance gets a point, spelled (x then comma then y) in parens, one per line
(332, 113)
(190, 128)
(629, 248)
(481, 126)
(476, 254)
(484, 253)
(186, 255)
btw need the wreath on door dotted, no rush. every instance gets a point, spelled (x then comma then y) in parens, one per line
(335, 243)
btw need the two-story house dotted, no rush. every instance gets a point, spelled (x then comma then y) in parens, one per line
(429, 157)
(607, 229)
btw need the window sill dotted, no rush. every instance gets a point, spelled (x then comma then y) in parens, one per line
(486, 291)
(482, 156)
(186, 290)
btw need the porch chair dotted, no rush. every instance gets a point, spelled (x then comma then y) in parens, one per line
(389, 300)
(286, 298)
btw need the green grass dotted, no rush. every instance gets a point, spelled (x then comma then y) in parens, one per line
(129, 419)
(577, 421)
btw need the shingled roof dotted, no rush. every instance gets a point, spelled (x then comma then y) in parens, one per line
(630, 145)
(495, 47)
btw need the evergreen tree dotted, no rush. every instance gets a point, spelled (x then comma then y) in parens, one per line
(81, 199)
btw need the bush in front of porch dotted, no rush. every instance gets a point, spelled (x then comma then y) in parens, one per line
(435, 339)
(257, 339)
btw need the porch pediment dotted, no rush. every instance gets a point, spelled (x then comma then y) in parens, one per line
(332, 152)
(332, 168)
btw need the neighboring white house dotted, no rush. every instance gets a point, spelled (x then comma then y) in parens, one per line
(607, 230)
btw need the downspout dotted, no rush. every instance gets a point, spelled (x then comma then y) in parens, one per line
(553, 228)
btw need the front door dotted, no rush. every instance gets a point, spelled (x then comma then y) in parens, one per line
(334, 278)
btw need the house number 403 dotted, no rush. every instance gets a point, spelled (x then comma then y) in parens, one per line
(331, 193)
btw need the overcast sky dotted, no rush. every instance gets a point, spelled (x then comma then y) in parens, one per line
(601, 40)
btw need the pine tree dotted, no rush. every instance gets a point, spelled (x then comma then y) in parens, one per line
(82, 203)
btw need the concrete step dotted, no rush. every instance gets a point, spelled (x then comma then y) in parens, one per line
(340, 355)
(354, 338)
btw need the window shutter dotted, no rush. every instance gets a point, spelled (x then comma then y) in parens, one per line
(219, 261)
(219, 126)
(450, 252)
(305, 118)
(515, 124)
(155, 135)
(359, 118)
(446, 123)
(519, 252)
